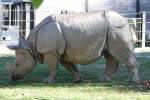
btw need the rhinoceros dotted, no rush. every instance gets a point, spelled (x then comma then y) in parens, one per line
(77, 39)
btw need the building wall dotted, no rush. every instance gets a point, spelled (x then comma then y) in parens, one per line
(56, 6)
(123, 7)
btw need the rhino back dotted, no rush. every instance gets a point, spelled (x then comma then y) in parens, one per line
(84, 36)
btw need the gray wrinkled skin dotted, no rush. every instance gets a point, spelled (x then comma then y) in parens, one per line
(78, 39)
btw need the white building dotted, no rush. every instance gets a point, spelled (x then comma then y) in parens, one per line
(56, 6)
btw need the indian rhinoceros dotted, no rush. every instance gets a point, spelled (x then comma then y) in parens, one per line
(77, 39)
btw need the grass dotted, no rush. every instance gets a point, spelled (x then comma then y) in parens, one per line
(32, 87)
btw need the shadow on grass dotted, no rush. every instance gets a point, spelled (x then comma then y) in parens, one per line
(89, 73)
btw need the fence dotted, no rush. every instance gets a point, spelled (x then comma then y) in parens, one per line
(139, 24)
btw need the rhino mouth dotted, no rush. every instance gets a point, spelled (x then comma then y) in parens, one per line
(16, 77)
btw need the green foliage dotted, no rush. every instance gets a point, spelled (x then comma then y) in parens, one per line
(37, 3)
(32, 87)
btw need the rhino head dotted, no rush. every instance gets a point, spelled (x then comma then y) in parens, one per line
(24, 61)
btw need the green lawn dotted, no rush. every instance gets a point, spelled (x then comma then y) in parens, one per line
(32, 87)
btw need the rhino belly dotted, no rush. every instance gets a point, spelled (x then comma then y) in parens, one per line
(82, 55)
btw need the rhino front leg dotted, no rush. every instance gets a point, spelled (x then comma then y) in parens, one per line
(133, 68)
(73, 70)
(52, 64)
(110, 67)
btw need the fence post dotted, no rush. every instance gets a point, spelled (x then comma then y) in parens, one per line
(86, 5)
(143, 29)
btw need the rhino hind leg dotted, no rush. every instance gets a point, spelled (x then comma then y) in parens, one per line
(110, 67)
(73, 70)
(132, 65)
(52, 62)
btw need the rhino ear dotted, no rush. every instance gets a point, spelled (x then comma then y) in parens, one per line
(15, 47)
(23, 43)
(21, 39)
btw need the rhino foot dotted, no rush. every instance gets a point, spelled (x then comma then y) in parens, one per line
(134, 80)
(50, 80)
(104, 78)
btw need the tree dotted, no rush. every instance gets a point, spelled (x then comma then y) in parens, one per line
(37, 3)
